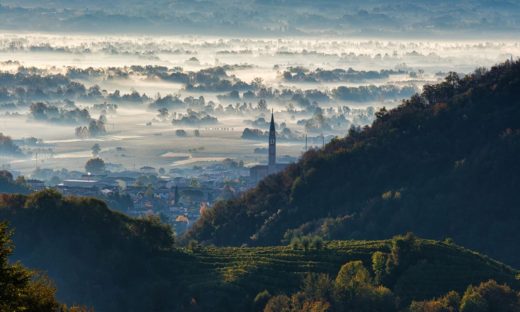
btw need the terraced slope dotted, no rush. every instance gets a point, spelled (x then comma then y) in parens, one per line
(231, 277)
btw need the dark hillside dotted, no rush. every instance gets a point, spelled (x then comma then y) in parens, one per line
(443, 164)
(105, 260)
(96, 257)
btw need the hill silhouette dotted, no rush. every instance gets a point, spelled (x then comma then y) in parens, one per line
(443, 164)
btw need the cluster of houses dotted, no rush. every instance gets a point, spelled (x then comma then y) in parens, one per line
(177, 197)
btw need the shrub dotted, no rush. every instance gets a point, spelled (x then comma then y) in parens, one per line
(280, 303)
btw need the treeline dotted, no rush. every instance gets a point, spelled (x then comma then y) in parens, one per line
(8, 147)
(53, 114)
(22, 88)
(354, 290)
(29, 85)
(8, 184)
(442, 164)
(301, 74)
(357, 288)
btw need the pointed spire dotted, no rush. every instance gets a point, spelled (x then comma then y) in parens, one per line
(271, 127)
(272, 144)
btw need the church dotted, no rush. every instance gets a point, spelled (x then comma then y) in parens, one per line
(259, 172)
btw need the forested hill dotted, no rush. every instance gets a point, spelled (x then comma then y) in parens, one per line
(445, 163)
(102, 259)
(96, 257)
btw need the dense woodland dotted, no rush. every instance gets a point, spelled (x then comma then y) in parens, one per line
(101, 259)
(443, 164)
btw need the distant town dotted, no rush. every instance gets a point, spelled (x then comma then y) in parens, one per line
(177, 196)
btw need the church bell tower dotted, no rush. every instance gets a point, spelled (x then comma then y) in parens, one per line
(272, 146)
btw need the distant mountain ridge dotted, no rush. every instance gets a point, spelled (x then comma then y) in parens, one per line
(443, 164)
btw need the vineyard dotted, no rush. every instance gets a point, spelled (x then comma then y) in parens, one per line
(231, 277)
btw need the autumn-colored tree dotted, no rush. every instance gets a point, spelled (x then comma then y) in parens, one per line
(490, 297)
(352, 275)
